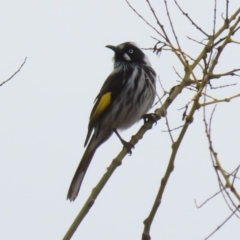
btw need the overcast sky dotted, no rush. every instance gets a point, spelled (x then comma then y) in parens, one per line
(45, 110)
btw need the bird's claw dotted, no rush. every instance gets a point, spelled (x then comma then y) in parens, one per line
(128, 146)
(150, 117)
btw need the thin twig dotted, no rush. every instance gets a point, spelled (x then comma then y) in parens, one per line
(171, 130)
(227, 4)
(222, 223)
(208, 199)
(196, 41)
(14, 73)
(158, 22)
(219, 100)
(193, 23)
(171, 24)
(229, 73)
(151, 26)
(235, 175)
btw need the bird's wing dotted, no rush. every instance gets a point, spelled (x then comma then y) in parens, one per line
(110, 90)
(101, 105)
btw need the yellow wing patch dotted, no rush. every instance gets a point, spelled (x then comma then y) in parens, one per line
(102, 105)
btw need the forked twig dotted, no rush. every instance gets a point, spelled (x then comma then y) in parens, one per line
(225, 221)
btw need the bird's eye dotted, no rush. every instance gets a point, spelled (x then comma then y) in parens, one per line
(130, 51)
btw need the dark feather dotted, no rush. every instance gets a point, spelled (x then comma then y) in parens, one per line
(114, 84)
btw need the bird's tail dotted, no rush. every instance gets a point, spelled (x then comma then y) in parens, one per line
(80, 173)
(97, 139)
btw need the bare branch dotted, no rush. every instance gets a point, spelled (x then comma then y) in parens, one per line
(173, 129)
(222, 223)
(151, 26)
(230, 73)
(227, 4)
(222, 86)
(208, 199)
(220, 100)
(19, 69)
(196, 41)
(171, 24)
(158, 23)
(193, 23)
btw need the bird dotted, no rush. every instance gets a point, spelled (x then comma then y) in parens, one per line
(125, 97)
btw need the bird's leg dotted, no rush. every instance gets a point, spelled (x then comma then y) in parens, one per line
(150, 117)
(127, 145)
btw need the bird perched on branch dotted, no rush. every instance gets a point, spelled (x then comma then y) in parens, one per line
(125, 97)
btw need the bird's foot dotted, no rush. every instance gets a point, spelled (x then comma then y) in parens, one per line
(150, 117)
(128, 146)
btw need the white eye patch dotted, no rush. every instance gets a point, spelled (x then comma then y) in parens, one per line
(126, 57)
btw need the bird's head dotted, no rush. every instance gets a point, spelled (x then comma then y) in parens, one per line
(130, 53)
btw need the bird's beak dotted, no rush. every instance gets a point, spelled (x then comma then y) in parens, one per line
(115, 49)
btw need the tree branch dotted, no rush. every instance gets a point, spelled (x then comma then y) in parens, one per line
(14, 73)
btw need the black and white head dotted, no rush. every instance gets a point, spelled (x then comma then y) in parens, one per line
(128, 53)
